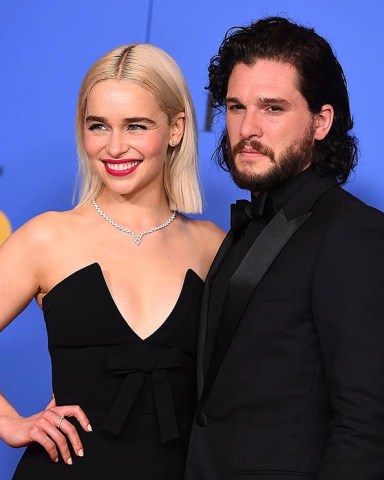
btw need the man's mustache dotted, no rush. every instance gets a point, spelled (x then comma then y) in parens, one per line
(255, 145)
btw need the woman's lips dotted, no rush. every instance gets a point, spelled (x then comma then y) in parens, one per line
(120, 168)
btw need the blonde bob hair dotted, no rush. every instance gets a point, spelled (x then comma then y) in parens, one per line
(153, 69)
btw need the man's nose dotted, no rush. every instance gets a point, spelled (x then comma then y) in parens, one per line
(251, 125)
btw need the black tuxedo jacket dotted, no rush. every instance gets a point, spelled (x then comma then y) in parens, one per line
(294, 385)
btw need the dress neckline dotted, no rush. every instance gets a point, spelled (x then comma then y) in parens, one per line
(94, 271)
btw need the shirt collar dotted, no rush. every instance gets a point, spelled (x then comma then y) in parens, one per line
(267, 204)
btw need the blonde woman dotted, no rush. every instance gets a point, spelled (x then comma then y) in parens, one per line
(119, 280)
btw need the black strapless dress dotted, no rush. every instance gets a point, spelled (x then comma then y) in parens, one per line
(139, 395)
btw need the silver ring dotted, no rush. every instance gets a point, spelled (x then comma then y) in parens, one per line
(59, 422)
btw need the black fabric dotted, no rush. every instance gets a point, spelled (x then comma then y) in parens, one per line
(292, 383)
(139, 395)
(248, 220)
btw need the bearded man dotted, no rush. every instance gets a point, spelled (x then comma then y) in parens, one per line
(291, 357)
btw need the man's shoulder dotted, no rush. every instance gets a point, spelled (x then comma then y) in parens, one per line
(347, 201)
(342, 208)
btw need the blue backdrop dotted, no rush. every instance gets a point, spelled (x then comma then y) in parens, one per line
(46, 46)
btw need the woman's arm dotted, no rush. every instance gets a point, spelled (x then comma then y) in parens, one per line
(21, 269)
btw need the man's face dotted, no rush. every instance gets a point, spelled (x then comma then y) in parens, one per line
(270, 128)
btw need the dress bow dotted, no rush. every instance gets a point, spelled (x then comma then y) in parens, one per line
(135, 366)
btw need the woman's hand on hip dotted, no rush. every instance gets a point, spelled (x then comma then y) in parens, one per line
(49, 428)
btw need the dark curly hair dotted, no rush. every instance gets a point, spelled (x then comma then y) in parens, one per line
(321, 81)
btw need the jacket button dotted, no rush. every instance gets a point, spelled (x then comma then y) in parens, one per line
(201, 419)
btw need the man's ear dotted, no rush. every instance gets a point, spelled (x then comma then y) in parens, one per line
(323, 122)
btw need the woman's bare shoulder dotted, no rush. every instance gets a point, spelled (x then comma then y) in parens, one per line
(209, 229)
(45, 232)
(47, 226)
(208, 233)
(202, 226)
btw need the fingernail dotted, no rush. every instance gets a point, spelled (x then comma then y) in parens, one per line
(69, 461)
(80, 453)
(56, 460)
(89, 428)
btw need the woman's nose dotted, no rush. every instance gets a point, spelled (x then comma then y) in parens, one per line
(117, 144)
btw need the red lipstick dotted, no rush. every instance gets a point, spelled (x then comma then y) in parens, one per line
(120, 168)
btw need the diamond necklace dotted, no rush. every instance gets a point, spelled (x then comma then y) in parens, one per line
(136, 238)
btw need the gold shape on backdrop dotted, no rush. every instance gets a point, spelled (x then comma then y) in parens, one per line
(5, 227)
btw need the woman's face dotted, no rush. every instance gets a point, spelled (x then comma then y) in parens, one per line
(126, 137)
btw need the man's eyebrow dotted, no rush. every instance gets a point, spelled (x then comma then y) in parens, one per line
(232, 100)
(261, 100)
(95, 118)
(273, 101)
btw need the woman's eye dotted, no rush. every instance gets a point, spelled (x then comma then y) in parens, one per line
(96, 127)
(136, 126)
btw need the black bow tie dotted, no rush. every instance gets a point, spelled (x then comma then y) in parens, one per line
(243, 211)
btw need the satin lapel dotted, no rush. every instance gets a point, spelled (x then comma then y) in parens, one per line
(245, 280)
(225, 246)
(255, 264)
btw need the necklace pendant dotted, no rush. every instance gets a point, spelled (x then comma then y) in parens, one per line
(136, 238)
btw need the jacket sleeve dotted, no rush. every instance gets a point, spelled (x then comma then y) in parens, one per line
(348, 310)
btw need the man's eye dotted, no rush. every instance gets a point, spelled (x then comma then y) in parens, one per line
(236, 107)
(274, 109)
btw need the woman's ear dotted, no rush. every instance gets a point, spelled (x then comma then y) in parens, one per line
(323, 122)
(177, 130)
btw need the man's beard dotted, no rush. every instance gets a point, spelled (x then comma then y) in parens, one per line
(293, 160)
